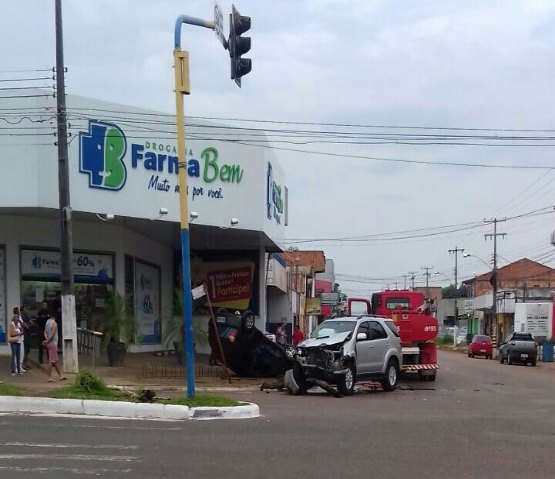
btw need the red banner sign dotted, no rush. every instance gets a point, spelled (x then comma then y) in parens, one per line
(230, 284)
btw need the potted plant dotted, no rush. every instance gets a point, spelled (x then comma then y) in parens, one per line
(174, 329)
(119, 328)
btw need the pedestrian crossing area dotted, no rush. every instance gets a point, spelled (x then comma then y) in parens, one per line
(60, 460)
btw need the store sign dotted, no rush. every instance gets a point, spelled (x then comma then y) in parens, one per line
(274, 197)
(537, 317)
(107, 158)
(313, 306)
(230, 284)
(330, 299)
(41, 265)
(147, 302)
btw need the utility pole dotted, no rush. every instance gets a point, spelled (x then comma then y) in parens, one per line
(412, 276)
(456, 252)
(427, 274)
(69, 322)
(493, 279)
(405, 276)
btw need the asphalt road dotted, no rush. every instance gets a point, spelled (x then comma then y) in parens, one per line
(479, 419)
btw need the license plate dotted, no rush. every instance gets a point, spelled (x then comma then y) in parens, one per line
(523, 355)
(482, 350)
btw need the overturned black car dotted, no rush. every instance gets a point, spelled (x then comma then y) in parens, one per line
(247, 351)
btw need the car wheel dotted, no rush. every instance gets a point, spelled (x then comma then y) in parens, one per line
(290, 352)
(248, 320)
(346, 383)
(533, 362)
(389, 383)
(469, 355)
(501, 360)
(509, 360)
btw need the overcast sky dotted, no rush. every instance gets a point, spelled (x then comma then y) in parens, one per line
(472, 64)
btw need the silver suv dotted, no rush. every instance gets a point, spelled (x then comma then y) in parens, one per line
(344, 350)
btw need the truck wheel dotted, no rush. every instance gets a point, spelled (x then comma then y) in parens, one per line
(346, 383)
(533, 362)
(389, 383)
(432, 378)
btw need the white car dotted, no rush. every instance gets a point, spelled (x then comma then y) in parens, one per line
(344, 350)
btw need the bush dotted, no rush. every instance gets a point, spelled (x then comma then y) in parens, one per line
(446, 340)
(88, 386)
(87, 383)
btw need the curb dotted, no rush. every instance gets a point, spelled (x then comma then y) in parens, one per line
(123, 409)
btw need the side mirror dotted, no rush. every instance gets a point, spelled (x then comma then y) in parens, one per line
(362, 336)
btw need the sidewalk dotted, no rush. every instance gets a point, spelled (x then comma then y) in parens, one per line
(140, 370)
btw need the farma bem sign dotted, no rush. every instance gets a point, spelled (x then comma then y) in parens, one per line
(105, 157)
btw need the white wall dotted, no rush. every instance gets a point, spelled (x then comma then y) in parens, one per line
(97, 236)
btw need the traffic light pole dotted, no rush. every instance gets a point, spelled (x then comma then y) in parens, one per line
(182, 87)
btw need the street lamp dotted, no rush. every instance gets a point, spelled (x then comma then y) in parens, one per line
(442, 274)
(468, 255)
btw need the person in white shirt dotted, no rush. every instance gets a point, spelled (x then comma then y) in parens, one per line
(15, 337)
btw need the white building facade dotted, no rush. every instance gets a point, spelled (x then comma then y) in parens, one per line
(125, 213)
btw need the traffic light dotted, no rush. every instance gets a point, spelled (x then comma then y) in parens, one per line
(239, 45)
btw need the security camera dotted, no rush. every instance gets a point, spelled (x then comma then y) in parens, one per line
(193, 215)
(105, 217)
(163, 211)
(234, 221)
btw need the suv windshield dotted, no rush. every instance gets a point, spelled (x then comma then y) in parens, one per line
(327, 328)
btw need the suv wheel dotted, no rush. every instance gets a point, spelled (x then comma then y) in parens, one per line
(501, 360)
(389, 383)
(346, 383)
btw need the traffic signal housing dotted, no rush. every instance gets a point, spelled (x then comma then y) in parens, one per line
(239, 45)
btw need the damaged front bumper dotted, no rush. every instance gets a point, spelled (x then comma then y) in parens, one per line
(321, 363)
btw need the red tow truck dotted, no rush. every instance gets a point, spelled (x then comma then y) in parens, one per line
(418, 328)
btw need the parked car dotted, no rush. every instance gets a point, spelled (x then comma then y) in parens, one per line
(518, 348)
(480, 346)
(344, 350)
(248, 351)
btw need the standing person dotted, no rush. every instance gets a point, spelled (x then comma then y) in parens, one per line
(14, 338)
(298, 335)
(281, 335)
(51, 344)
(26, 326)
(42, 317)
(58, 314)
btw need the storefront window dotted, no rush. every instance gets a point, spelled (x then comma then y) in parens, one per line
(40, 281)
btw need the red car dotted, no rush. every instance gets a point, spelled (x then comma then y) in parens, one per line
(480, 346)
